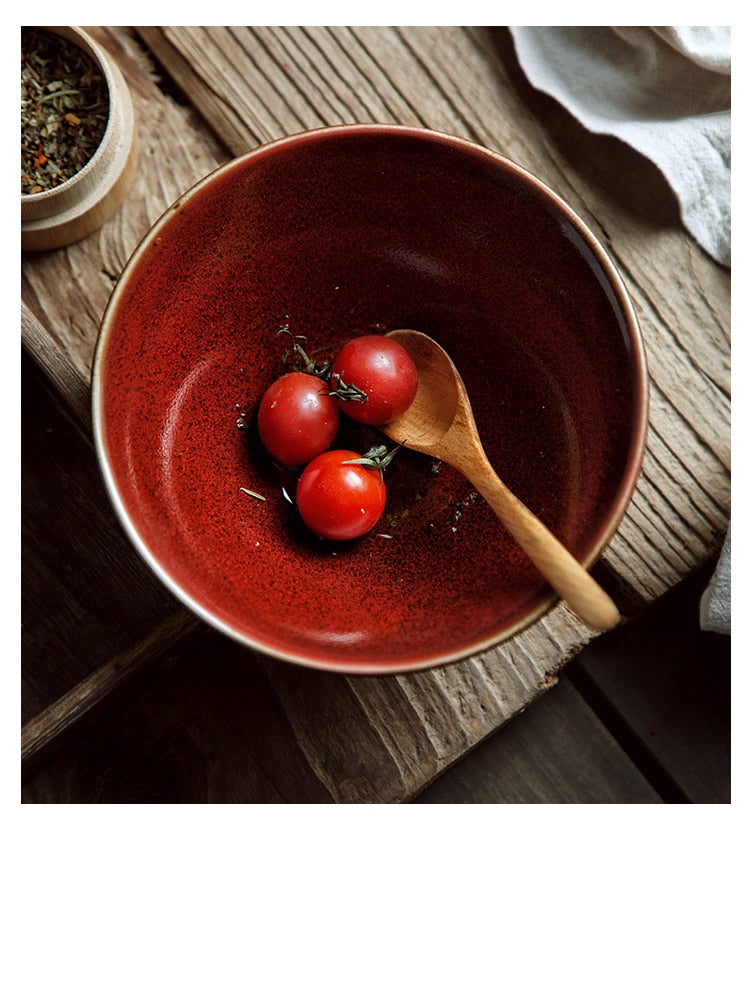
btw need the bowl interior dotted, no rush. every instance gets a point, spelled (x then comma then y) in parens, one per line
(337, 233)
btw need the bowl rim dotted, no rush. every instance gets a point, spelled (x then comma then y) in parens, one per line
(616, 510)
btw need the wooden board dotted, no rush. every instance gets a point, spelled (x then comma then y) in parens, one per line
(81, 578)
(664, 686)
(641, 716)
(557, 752)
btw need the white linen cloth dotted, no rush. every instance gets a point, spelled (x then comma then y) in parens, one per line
(666, 91)
(716, 602)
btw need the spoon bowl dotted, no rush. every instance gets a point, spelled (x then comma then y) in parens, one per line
(440, 423)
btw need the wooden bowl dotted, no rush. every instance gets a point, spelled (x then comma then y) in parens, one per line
(335, 233)
(66, 213)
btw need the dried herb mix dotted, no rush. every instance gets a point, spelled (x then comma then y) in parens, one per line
(64, 109)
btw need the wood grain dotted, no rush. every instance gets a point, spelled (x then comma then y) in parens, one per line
(60, 372)
(547, 756)
(665, 686)
(59, 723)
(86, 596)
(208, 728)
(383, 739)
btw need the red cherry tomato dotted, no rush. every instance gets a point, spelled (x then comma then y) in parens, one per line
(339, 500)
(383, 370)
(297, 418)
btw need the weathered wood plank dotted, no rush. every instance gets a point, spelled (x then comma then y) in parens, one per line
(209, 728)
(222, 724)
(60, 372)
(58, 724)
(642, 714)
(418, 724)
(557, 752)
(86, 595)
(664, 685)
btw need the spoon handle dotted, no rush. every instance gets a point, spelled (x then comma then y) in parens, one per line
(561, 570)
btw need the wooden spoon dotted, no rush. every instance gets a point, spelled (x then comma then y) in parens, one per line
(440, 422)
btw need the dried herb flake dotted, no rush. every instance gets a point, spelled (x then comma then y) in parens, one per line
(64, 109)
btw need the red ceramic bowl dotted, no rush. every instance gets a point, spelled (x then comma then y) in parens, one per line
(336, 233)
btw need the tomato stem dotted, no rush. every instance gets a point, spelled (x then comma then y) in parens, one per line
(376, 458)
(300, 361)
(345, 391)
(299, 358)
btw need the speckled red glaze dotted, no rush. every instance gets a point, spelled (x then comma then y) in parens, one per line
(339, 232)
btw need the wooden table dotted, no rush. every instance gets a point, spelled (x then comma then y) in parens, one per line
(208, 720)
